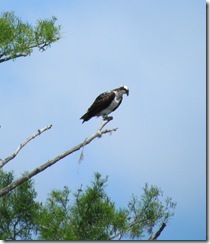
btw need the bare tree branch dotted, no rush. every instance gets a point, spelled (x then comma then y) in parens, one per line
(157, 234)
(49, 163)
(14, 154)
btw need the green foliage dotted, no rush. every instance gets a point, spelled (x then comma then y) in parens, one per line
(87, 214)
(54, 222)
(18, 39)
(18, 210)
(93, 216)
(150, 212)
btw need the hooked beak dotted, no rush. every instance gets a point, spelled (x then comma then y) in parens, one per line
(127, 92)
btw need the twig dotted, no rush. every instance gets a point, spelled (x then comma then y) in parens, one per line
(104, 123)
(49, 163)
(14, 154)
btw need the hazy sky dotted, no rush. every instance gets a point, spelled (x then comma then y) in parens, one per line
(156, 48)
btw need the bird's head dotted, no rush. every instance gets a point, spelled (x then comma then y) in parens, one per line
(124, 89)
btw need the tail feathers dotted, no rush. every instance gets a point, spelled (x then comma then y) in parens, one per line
(86, 117)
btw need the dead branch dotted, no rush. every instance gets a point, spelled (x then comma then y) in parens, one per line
(49, 163)
(14, 154)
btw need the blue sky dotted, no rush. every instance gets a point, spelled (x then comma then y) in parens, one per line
(156, 48)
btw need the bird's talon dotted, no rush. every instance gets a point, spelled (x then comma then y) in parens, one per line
(107, 118)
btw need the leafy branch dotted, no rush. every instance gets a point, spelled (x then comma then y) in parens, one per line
(18, 39)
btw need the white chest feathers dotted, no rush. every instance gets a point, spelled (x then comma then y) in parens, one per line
(114, 104)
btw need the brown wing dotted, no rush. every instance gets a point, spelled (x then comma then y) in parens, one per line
(100, 103)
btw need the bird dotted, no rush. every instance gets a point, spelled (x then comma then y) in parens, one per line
(106, 103)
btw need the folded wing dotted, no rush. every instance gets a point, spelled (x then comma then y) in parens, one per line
(100, 103)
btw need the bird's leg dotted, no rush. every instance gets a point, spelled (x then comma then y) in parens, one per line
(106, 117)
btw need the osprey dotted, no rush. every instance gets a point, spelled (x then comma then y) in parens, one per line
(106, 103)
